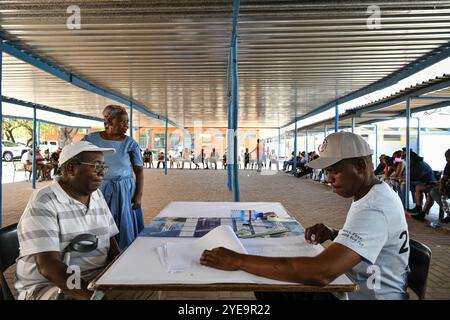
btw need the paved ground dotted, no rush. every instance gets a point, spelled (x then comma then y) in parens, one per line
(307, 201)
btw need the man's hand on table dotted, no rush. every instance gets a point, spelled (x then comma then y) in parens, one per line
(221, 258)
(319, 233)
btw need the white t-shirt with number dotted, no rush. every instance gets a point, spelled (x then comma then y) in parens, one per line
(376, 230)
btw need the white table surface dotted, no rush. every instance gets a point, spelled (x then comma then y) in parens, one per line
(139, 264)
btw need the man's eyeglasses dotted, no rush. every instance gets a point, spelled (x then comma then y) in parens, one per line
(98, 167)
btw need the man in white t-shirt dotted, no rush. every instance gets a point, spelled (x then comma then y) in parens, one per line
(372, 247)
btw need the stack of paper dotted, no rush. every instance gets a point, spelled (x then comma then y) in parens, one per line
(177, 257)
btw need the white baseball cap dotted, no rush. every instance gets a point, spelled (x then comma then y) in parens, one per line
(71, 150)
(338, 146)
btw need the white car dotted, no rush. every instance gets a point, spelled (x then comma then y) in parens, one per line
(11, 150)
(52, 146)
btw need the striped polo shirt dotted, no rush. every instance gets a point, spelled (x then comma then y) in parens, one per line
(50, 221)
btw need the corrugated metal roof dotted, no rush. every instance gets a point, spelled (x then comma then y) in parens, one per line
(171, 56)
(397, 109)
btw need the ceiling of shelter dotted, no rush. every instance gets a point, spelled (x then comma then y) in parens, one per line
(171, 56)
(395, 110)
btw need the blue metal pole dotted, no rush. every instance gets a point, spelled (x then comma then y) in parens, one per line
(306, 147)
(165, 148)
(376, 145)
(38, 133)
(230, 128)
(408, 154)
(235, 99)
(131, 120)
(336, 117)
(33, 147)
(418, 135)
(294, 165)
(279, 143)
(1, 135)
(353, 124)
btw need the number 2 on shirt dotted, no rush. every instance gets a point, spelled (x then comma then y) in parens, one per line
(404, 247)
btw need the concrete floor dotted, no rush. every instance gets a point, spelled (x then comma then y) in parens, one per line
(307, 201)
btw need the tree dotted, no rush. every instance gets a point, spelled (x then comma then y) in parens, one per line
(65, 136)
(10, 125)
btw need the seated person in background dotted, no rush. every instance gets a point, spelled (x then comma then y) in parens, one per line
(443, 189)
(273, 159)
(289, 162)
(148, 158)
(160, 160)
(54, 158)
(380, 168)
(421, 174)
(388, 167)
(47, 155)
(58, 213)
(434, 192)
(44, 169)
(375, 233)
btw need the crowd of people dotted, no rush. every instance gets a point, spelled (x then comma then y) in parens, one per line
(99, 190)
(45, 164)
(260, 157)
(424, 182)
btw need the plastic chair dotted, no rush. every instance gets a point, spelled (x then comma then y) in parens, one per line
(419, 263)
(9, 252)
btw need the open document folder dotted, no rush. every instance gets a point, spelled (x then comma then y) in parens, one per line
(177, 257)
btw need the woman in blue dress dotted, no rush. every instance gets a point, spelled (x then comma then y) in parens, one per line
(124, 181)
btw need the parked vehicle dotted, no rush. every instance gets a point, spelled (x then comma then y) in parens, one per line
(52, 146)
(13, 150)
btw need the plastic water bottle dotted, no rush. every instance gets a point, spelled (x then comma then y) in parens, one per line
(445, 204)
(249, 215)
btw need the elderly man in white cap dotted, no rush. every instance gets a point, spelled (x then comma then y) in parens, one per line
(54, 216)
(374, 236)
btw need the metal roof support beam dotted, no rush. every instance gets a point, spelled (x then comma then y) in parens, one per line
(398, 100)
(46, 108)
(69, 77)
(353, 124)
(435, 56)
(235, 98)
(433, 106)
(432, 98)
(375, 117)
